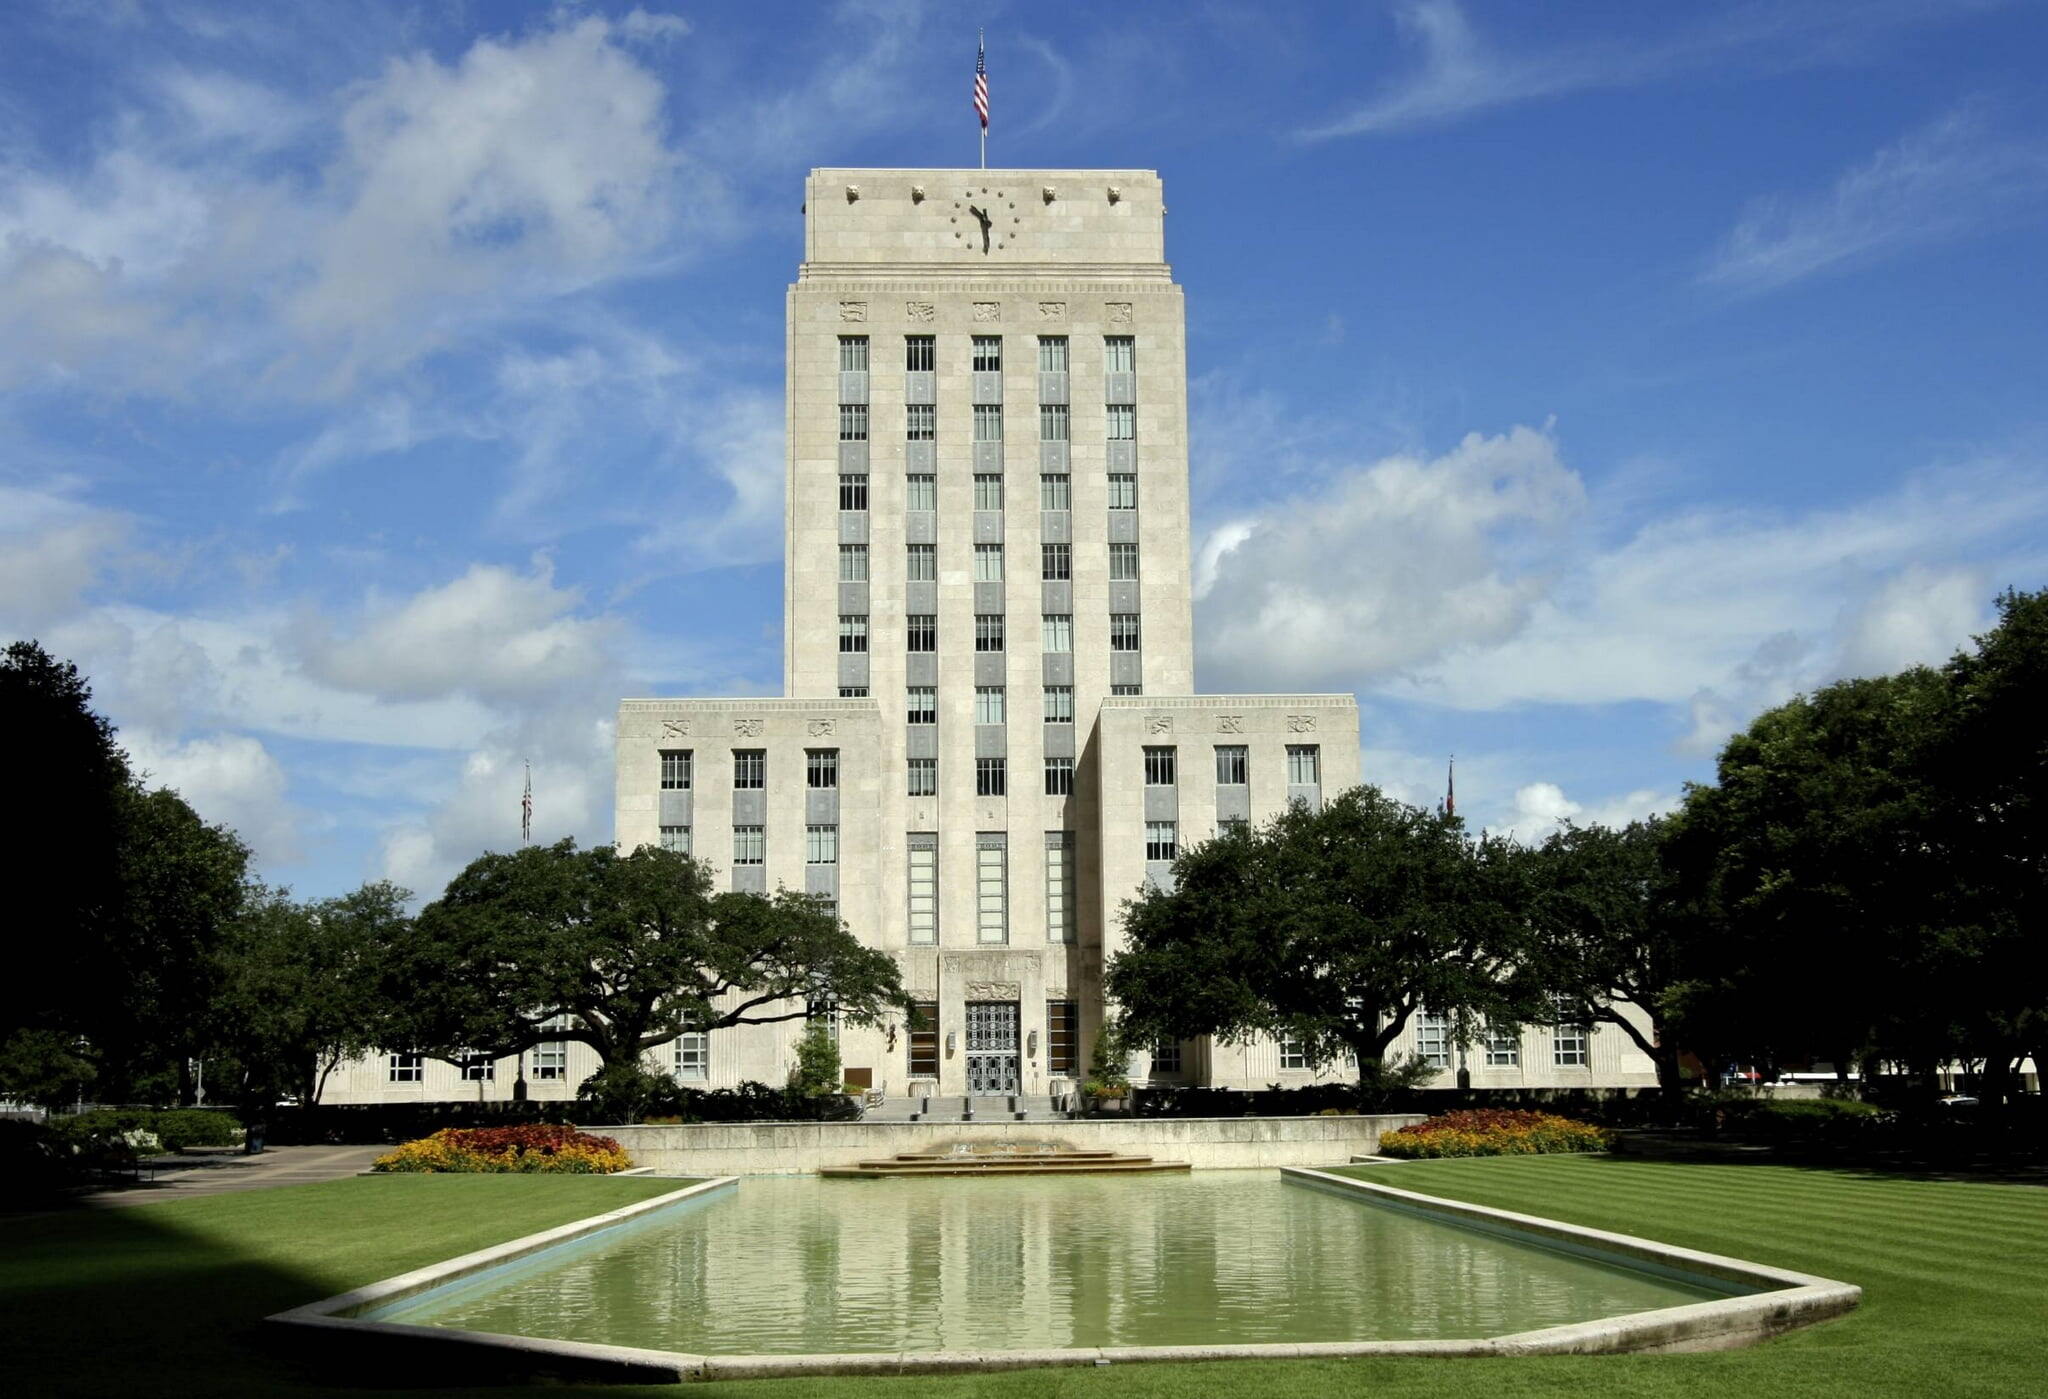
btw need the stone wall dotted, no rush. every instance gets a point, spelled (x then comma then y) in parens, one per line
(794, 1148)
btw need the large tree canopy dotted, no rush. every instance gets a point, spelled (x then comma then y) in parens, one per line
(627, 950)
(1611, 930)
(1331, 927)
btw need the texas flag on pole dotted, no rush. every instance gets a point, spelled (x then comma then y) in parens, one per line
(981, 81)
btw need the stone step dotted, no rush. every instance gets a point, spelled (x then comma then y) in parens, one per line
(883, 1171)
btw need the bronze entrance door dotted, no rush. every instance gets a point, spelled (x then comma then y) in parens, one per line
(991, 1047)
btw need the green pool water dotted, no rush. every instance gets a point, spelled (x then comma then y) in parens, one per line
(782, 1265)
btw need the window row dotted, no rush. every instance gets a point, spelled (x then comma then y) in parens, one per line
(920, 354)
(749, 769)
(921, 563)
(1056, 633)
(1055, 422)
(991, 776)
(1500, 1047)
(991, 888)
(1233, 765)
(1055, 491)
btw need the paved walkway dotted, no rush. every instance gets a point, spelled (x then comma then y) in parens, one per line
(188, 1177)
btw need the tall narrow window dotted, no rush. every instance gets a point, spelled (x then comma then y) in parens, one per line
(676, 838)
(1433, 1038)
(991, 889)
(1123, 490)
(551, 1057)
(692, 1056)
(924, 889)
(853, 563)
(853, 422)
(1119, 354)
(676, 769)
(921, 491)
(1052, 354)
(1059, 886)
(923, 778)
(1123, 631)
(988, 631)
(1123, 563)
(988, 422)
(1055, 492)
(1052, 422)
(988, 354)
(919, 354)
(853, 492)
(1159, 767)
(853, 634)
(924, 1039)
(1122, 422)
(921, 563)
(921, 704)
(853, 354)
(920, 423)
(1569, 1036)
(821, 769)
(749, 769)
(1162, 840)
(1059, 704)
(988, 563)
(1503, 1047)
(821, 845)
(1233, 765)
(749, 845)
(1058, 630)
(920, 632)
(988, 704)
(1059, 777)
(1166, 1057)
(1055, 562)
(991, 777)
(1304, 765)
(1062, 1037)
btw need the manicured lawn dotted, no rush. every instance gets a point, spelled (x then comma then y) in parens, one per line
(163, 1299)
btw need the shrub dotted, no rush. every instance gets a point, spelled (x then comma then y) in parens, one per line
(159, 1129)
(816, 1071)
(531, 1149)
(183, 1127)
(1494, 1132)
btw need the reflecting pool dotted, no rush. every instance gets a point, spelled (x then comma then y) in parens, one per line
(782, 1265)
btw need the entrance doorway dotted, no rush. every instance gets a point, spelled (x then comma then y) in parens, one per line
(991, 1047)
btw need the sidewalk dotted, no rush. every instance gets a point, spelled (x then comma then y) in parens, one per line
(188, 1177)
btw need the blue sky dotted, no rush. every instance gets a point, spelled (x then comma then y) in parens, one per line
(387, 389)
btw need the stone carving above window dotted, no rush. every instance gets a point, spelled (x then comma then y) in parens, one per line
(823, 728)
(1117, 312)
(918, 310)
(988, 311)
(1230, 723)
(675, 728)
(1159, 724)
(747, 728)
(993, 991)
(853, 310)
(1301, 723)
(1052, 310)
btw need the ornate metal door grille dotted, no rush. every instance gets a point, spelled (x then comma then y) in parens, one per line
(991, 1046)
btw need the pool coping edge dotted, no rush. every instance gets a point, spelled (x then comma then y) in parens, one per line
(1792, 1299)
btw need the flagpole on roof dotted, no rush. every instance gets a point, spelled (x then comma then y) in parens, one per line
(526, 807)
(981, 90)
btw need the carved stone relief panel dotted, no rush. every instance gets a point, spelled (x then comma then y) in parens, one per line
(988, 310)
(675, 728)
(853, 310)
(918, 310)
(1230, 723)
(822, 728)
(1301, 723)
(993, 991)
(747, 728)
(1117, 312)
(1159, 723)
(1052, 310)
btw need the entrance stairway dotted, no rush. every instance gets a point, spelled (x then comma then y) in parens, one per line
(1046, 1161)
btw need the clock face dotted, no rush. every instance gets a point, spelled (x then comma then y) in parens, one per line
(985, 219)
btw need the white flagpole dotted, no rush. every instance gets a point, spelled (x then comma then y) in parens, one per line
(981, 74)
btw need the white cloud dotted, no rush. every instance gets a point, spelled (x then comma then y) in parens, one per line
(1386, 569)
(491, 633)
(229, 779)
(1917, 616)
(1541, 808)
(52, 549)
(1463, 73)
(1952, 178)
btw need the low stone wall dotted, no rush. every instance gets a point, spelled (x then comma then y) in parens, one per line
(796, 1148)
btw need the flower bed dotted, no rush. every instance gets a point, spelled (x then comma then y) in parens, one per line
(534, 1148)
(1494, 1132)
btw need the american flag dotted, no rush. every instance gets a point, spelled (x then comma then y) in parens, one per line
(981, 82)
